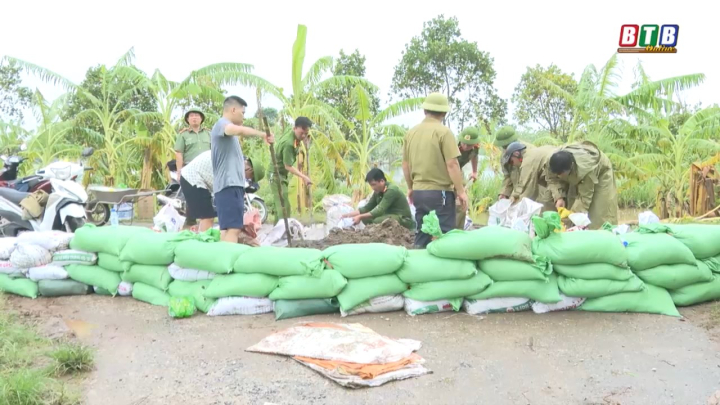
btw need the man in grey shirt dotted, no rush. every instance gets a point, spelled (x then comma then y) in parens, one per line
(229, 166)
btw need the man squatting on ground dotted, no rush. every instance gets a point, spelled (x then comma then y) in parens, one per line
(386, 202)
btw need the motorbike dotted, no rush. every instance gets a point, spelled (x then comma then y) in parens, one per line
(10, 169)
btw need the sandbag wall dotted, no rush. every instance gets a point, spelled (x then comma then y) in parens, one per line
(492, 269)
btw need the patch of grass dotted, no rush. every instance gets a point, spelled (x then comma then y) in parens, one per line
(72, 358)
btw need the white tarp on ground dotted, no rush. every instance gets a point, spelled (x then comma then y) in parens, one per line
(276, 236)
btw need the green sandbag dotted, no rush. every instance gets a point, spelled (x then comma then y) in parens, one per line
(151, 295)
(241, 285)
(516, 270)
(484, 243)
(594, 271)
(702, 240)
(23, 287)
(449, 289)
(651, 300)
(365, 259)
(154, 276)
(181, 307)
(360, 290)
(194, 289)
(646, 250)
(156, 248)
(215, 257)
(62, 288)
(697, 293)
(674, 276)
(105, 239)
(422, 267)
(286, 309)
(328, 285)
(582, 247)
(112, 263)
(713, 264)
(102, 291)
(277, 261)
(542, 291)
(575, 287)
(94, 275)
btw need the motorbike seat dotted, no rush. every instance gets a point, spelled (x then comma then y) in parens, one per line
(13, 196)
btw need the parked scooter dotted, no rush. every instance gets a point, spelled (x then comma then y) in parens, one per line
(10, 169)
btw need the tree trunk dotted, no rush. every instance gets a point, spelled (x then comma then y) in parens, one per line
(146, 175)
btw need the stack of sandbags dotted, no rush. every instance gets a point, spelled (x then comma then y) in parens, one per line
(703, 242)
(509, 277)
(370, 272)
(54, 280)
(108, 243)
(13, 271)
(594, 265)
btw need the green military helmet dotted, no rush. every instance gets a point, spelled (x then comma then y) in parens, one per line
(470, 136)
(258, 171)
(505, 136)
(436, 102)
(195, 110)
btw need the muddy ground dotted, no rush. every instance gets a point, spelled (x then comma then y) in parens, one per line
(389, 232)
(145, 357)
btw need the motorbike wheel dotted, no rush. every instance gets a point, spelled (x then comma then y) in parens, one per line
(72, 224)
(100, 214)
(259, 205)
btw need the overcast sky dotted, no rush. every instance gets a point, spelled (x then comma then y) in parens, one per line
(176, 37)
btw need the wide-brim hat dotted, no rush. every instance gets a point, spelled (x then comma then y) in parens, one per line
(436, 102)
(194, 110)
(470, 136)
(505, 136)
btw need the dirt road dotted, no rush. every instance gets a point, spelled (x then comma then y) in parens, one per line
(145, 357)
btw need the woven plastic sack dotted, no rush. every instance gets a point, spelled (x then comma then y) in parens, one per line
(240, 306)
(151, 295)
(113, 263)
(594, 271)
(575, 287)
(566, 304)
(194, 289)
(278, 261)
(47, 272)
(62, 288)
(582, 247)
(646, 251)
(181, 307)
(484, 243)
(50, 240)
(104, 239)
(422, 267)
(328, 285)
(125, 289)
(286, 309)
(7, 246)
(386, 303)
(496, 305)
(697, 293)
(702, 240)
(431, 225)
(18, 286)
(241, 285)
(365, 259)
(69, 256)
(542, 291)
(443, 290)
(360, 290)
(415, 307)
(651, 300)
(26, 256)
(674, 276)
(7, 268)
(154, 276)
(154, 249)
(179, 273)
(215, 257)
(95, 276)
(516, 270)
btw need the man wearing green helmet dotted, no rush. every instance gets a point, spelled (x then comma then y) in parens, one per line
(469, 145)
(191, 140)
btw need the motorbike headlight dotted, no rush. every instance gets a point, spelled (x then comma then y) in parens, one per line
(61, 173)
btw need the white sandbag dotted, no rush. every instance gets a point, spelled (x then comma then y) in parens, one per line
(385, 303)
(168, 220)
(414, 307)
(7, 246)
(334, 218)
(333, 200)
(50, 240)
(69, 256)
(648, 217)
(517, 216)
(7, 268)
(125, 289)
(276, 237)
(240, 306)
(26, 256)
(495, 305)
(183, 274)
(47, 272)
(566, 304)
